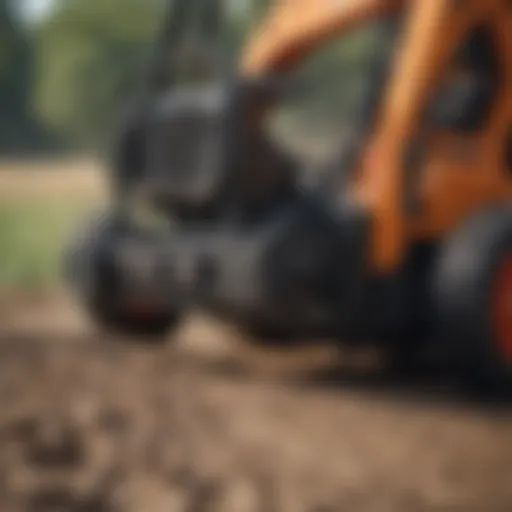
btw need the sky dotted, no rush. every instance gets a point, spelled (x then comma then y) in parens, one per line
(36, 8)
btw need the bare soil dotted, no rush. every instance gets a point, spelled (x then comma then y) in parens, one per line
(207, 422)
(60, 179)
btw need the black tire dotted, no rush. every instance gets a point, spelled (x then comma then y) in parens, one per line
(467, 280)
(153, 329)
(95, 285)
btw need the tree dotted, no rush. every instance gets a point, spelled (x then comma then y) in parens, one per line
(18, 130)
(88, 55)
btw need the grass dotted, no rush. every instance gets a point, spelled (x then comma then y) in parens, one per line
(40, 205)
(32, 235)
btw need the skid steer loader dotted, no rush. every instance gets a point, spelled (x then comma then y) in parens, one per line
(401, 233)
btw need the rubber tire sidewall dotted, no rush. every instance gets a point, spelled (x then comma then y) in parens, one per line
(100, 307)
(463, 282)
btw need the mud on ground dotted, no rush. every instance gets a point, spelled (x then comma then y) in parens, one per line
(208, 424)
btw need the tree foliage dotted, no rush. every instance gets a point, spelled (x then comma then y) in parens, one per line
(18, 128)
(76, 68)
(89, 53)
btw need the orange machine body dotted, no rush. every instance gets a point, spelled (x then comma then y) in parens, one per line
(458, 173)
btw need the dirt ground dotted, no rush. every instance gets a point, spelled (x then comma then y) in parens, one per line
(62, 178)
(207, 423)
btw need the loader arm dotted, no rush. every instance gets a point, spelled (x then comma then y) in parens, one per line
(294, 30)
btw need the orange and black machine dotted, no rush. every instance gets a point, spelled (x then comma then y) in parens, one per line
(410, 242)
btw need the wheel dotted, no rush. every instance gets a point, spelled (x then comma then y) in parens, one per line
(92, 273)
(152, 328)
(472, 299)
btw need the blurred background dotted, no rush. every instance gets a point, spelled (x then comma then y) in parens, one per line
(67, 68)
(64, 69)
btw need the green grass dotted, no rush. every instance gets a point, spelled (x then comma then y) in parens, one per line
(33, 234)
